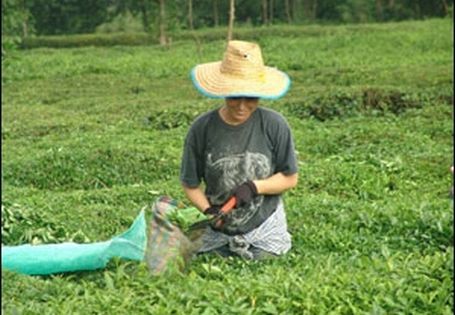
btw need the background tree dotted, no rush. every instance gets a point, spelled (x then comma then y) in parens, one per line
(69, 16)
(158, 17)
(445, 5)
(287, 10)
(144, 7)
(17, 23)
(216, 19)
(271, 11)
(379, 15)
(264, 6)
(231, 19)
(162, 22)
(16, 18)
(190, 14)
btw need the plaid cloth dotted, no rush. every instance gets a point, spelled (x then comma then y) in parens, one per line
(271, 236)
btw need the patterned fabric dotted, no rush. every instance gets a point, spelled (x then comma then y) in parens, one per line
(166, 242)
(271, 236)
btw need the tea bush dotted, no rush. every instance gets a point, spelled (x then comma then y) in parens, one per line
(366, 101)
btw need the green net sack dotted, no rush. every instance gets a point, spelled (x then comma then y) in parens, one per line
(65, 257)
(165, 244)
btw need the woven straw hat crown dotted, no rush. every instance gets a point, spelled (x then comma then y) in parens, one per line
(241, 73)
(244, 61)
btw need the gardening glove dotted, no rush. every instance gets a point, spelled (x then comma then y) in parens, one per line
(213, 210)
(244, 193)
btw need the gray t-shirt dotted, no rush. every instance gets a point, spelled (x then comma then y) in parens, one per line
(225, 156)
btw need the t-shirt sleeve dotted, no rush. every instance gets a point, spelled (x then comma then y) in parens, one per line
(284, 149)
(191, 165)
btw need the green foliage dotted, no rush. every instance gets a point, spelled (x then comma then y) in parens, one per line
(113, 39)
(67, 17)
(25, 226)
(91, 135)
(54, 17)
(338, 36)
(124, 22)
(450, 12)
(185, 217)
(16, 24)
(92, 167)
(355, 11)
(14, 15)
(366, 101)
(170, 119)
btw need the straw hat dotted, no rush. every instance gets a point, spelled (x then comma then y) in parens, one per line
(241, 73)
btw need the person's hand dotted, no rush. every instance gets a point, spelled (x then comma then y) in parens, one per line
(244, 193)
(213, 210)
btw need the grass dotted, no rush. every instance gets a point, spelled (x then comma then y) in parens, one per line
(91, 135)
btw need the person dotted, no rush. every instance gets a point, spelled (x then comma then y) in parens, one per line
(243, 150)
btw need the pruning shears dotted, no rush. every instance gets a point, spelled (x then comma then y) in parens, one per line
(218, 219)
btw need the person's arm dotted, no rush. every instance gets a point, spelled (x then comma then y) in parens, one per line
(276, 183)
(197, 197)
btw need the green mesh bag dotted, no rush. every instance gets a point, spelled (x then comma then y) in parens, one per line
(65, 257)
(163, 244)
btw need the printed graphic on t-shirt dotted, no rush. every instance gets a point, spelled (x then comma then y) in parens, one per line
(228, 171)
